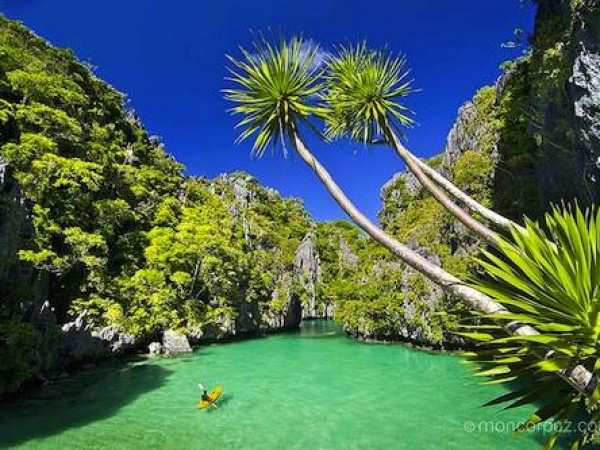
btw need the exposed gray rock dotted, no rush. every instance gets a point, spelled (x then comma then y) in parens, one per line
(3, 173)
(243, 195)
(585, 92)
(79, 342)
(16, 232)
(288, 314)
(349, 258)
(254, 317)
(224, 328)
(462, 240)
(411, 184)
(196, 336)
(395, 192)
(567, 118)
(429, 299)
(155, 348)
(247, 320)
(464, 136)
(82, 341)
(429, 304)
(307, 271)
(115, 340)
(458, 140)
(175, 343)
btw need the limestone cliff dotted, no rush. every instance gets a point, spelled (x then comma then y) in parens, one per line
(549, 102)
(16, 232)
(530, 141)
(307, 272)
(105, 244)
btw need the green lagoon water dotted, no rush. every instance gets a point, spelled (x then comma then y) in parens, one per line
(312, 389)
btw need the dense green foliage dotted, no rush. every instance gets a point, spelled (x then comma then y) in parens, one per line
(89, 172)
(361, 280)
(547, 278)
(198, 266)
(121, 234)
(375, 296)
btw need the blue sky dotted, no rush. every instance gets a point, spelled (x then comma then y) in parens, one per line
(168, 56)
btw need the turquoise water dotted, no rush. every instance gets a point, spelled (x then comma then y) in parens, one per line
(313, 389)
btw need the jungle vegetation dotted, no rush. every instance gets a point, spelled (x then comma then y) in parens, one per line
(359, 96)
(121, 235)
(113, 229)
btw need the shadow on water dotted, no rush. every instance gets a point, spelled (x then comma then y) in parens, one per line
(74, 402)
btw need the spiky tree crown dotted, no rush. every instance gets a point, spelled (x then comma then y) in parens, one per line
(276, 88)
(362, 93)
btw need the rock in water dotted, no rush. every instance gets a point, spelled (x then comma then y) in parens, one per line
(175, 343)
(155, 348)
(83, 342)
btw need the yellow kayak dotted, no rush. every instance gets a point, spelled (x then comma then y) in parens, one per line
(213, 396)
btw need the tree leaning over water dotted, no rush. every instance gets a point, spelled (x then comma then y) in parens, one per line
(276, 93)
(362, 93)
(547, 277)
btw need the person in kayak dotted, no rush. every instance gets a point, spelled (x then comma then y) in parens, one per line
(204, 392)
(209, 399)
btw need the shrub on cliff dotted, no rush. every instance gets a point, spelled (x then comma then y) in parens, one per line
(115, 226)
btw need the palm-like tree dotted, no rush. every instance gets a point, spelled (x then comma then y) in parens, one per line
(275, 92)
(548, 278)
(362, 96)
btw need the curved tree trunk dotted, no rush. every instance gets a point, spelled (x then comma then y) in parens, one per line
(579, 377)
(495, 218)
(463, 216)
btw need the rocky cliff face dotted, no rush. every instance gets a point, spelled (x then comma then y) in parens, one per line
(549, 144)
(294, 274)
(18, 282)
(584, 85)
(530, 141)
(307, 272)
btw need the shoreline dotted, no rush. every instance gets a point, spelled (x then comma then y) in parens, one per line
(136, 354)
